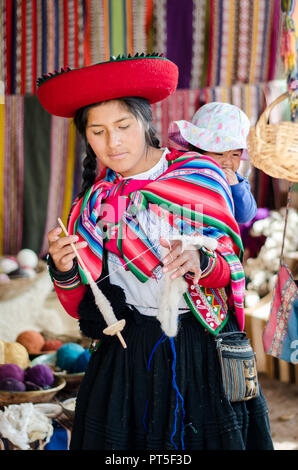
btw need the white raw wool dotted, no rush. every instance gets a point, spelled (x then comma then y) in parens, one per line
(197, 241)
(101, 301)
(168, 310)
(26, 311)
(174, 289)
(22, 424)
(262, 270)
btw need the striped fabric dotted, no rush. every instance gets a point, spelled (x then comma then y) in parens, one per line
(187, 179)
(220, 42)
(40, 36)
(70, 284)
(61, 152)
(61, 172)
(2, 175)
(214, 42)
(12, 174)
(2, 48)
(40, 163)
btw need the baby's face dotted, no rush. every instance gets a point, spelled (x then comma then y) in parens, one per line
(227, 160)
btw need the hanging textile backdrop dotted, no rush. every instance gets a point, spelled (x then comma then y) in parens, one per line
(226, 50)
(213, 42)
(40, 156)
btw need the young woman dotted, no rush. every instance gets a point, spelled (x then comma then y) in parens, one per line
(164, 391)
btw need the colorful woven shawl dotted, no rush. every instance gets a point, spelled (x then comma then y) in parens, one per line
(193, 195)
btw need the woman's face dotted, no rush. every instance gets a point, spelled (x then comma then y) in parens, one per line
(117, 138)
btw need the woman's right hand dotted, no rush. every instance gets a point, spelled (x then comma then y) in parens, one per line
(61, 251)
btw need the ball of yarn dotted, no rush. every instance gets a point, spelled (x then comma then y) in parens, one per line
(32, 340)
(41, 375)
(27, 258)
(4, 278)
(52, 345)
(12, 371)
(12, 385)
(82, 361)
(28, 272)
(67, 356)
(8, 264)
(15, 353)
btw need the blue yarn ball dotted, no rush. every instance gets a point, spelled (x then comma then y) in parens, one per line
(67, 356)
(82, 361)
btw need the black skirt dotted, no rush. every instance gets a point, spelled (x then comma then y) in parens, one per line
(163, 394)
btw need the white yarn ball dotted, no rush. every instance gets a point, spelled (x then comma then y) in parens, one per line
(4, 278)
(8, 264)
(29, 272)
(27, 258)
(251, 299)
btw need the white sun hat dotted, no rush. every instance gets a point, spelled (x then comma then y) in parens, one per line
(215, 127)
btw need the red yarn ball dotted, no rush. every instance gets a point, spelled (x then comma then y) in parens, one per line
(32, 340)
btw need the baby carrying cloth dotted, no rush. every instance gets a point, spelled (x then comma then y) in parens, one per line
(113, 201)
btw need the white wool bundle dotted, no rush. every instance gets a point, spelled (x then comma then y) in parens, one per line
(168, 310)
(23, 423)
(252, 299)
(101, 301)
(174, 289)
(262, 270)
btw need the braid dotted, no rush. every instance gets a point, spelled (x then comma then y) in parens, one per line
(90, 170)
(90, 160)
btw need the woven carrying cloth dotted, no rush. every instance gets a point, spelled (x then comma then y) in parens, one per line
(281, 331)
(209, 210)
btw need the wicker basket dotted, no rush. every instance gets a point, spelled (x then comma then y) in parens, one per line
(273, 148)
(33, 396)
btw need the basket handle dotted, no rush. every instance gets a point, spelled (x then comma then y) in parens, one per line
(264, 118)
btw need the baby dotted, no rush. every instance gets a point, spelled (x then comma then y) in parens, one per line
(219, 130)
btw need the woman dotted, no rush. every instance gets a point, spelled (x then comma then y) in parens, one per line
(164, 391)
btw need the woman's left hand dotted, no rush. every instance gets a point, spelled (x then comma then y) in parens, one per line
(181, 262)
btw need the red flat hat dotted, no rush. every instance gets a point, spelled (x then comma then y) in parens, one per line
(152, 77)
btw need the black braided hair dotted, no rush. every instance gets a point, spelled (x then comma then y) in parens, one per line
(140, 108)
